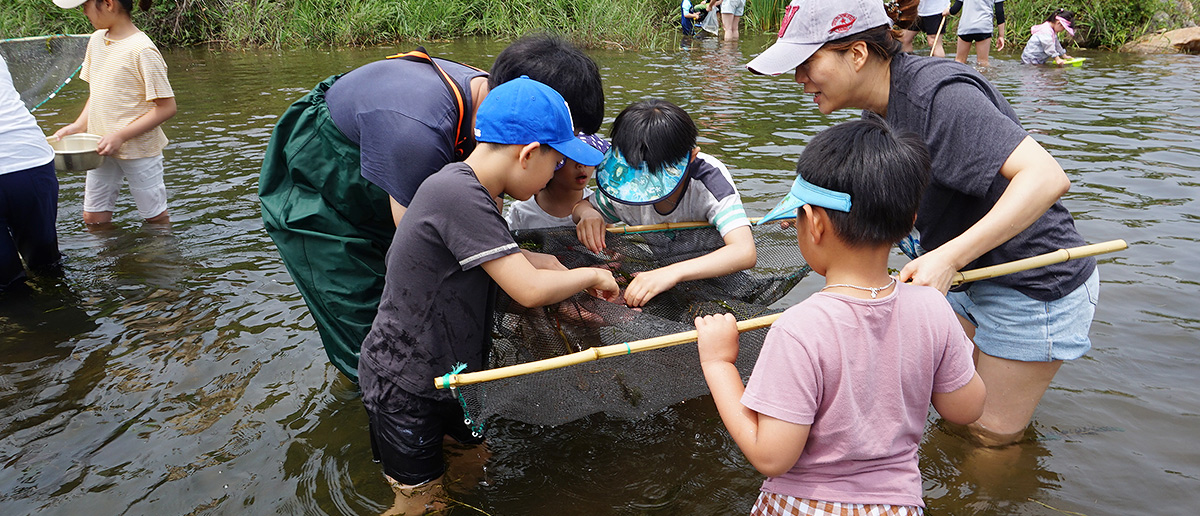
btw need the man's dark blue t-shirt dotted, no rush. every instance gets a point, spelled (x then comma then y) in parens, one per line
(403, 118)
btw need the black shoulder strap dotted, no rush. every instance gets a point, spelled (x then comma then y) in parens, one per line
(463, 142)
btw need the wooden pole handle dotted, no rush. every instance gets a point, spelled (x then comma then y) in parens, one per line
(1040, 260)
(591, 354)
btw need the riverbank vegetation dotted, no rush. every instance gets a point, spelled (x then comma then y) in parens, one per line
(1104, 24)
(629, 24)
(313, 23)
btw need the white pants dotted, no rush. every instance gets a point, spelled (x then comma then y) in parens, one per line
(145, 177)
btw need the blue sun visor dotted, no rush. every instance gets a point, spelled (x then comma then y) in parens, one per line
(803, 193)
(627, 184)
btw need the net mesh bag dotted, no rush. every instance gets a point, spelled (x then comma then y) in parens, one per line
(42, 65)
(638, 384)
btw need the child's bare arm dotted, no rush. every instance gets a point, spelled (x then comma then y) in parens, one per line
(771, 445)
(533, 287)
(163, 110)
(737, 254)
(589, 225)
(78, 126)
(543, 261)
(964, 405)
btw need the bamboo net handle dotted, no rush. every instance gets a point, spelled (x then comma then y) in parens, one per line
(937, 37)
(1040, 260)
(665, 226)
(591, 354)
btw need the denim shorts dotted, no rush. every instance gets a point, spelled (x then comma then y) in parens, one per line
(1014, 326)
(408, 442)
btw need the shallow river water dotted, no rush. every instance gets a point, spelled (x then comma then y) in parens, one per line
(177, 371)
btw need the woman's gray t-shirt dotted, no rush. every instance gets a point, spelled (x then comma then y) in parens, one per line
(971, 130)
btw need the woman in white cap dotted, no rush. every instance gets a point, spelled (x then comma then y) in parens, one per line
(994, 197)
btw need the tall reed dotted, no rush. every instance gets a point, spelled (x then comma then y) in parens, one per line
(764, 15)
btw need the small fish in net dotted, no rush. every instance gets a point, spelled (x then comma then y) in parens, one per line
(41, 65)
(632, 385)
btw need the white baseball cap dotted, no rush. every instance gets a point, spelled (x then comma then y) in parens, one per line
(809, 24)
(69, 4)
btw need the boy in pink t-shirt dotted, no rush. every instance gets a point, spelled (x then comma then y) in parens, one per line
(836, 406)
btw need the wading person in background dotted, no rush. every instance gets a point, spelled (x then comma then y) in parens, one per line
(930, 20)
(129, 98)
(993, 198)
(975, 28)
(731, 17)
(1043, 42)
(344, 162)
(28, 191)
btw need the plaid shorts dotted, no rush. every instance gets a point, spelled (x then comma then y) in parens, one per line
(774, 504)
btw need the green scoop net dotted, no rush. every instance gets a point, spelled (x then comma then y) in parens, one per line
(634, 384)
(42, 65)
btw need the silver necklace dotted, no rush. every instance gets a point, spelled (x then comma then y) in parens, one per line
(874, 290)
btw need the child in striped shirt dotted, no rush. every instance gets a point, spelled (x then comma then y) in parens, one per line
(655, 173)
(129, 98)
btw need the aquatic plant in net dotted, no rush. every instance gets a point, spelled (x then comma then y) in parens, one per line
(42, 65)
(636, 384)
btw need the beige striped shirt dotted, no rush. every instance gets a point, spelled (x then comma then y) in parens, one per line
(125, 76)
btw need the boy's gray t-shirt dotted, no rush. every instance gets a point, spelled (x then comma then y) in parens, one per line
(971, 130)
(436, 309)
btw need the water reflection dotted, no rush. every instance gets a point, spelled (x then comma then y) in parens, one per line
(175, 370)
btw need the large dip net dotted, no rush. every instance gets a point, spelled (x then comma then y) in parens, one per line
(631, 384)
(42, 65)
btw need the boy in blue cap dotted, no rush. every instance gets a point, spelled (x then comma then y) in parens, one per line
(449, 253)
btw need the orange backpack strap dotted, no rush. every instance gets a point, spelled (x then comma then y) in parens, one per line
(463, 143)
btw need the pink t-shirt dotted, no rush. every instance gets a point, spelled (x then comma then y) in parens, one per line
(861, 373)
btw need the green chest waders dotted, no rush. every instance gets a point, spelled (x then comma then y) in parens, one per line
(333, 227)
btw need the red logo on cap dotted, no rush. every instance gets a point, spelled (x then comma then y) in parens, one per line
(842, 23)
(787, 18)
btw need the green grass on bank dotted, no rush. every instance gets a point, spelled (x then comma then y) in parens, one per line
(309, 23)
(630, 24)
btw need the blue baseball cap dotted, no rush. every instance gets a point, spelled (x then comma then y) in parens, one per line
(803, 193)
(523, 111)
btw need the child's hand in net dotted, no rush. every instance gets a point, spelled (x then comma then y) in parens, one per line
(717, 338)
(646, 285)
(604, 286)
(591, 230)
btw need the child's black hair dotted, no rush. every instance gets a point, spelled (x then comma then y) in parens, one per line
(884, 172)
(655, 132)
(557, 63)
(1064, 14)
(128, 5)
